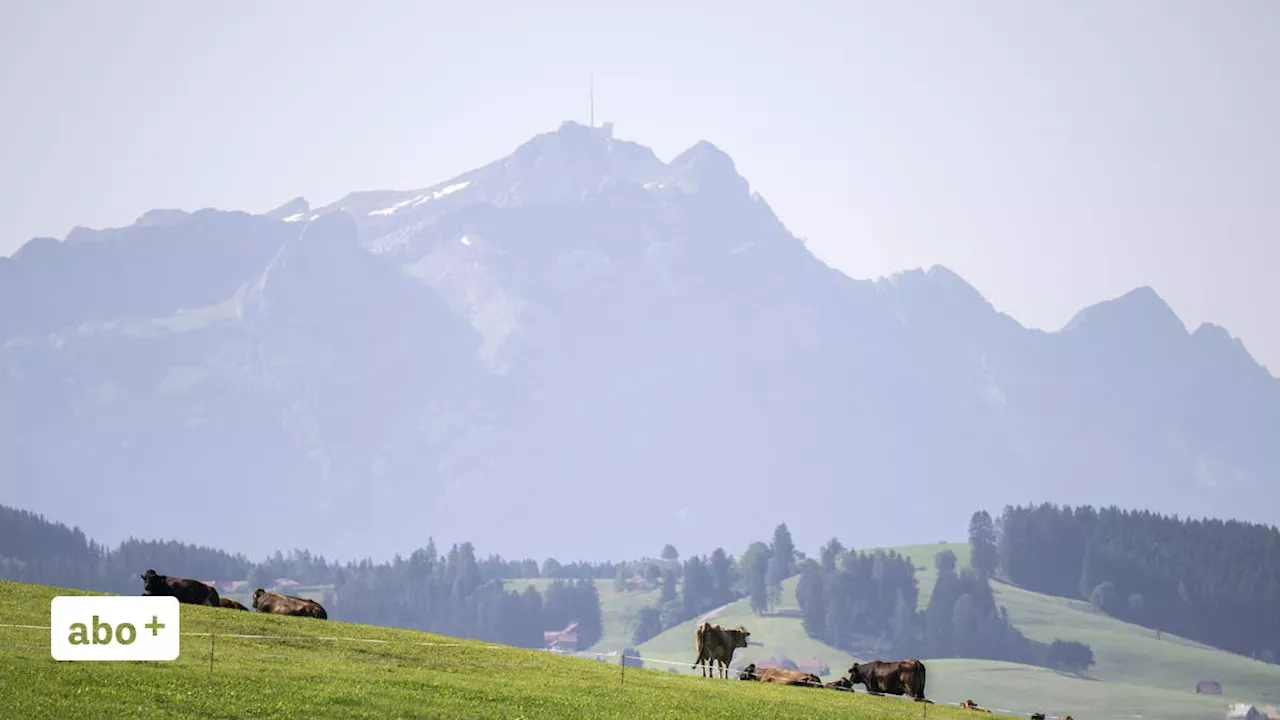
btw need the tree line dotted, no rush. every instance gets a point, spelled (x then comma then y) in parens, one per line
(867, 604)
(1212, 581)
(704, 583)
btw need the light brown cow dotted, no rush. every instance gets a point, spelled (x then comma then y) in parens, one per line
(781, 676)
(971, 705)
(716, 644)
(275, 603)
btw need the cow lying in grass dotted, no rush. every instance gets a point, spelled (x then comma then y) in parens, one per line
(191, 592)
(277, 604)
(227, 602)
(780, 676)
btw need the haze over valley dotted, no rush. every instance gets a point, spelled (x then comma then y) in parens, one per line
(570, 350)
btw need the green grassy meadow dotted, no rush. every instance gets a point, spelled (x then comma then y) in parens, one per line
(340, 670)
(1135, 674)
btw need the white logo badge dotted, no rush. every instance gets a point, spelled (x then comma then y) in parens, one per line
(113, 628)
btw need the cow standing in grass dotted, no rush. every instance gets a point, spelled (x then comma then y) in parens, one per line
(191, 592)
(716, 644)
(898, 677)
(781, 676)
(277, 604)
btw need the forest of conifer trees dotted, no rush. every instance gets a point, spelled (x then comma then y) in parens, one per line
(1213, 581)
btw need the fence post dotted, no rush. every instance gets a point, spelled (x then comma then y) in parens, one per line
(623, 675)
(211, 644)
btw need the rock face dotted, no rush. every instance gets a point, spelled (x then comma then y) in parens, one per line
(580, 350)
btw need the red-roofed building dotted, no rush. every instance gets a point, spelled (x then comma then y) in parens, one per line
(773, 662)
(815, 666)
(565, 640)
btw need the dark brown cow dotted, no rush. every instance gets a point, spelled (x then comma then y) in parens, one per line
(898, 677)
(277, 604)
(191, 592)
(227, 602)
(716, 644)
(780, 676)
(1037, 716)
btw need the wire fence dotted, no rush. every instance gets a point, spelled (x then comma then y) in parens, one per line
(625, 660)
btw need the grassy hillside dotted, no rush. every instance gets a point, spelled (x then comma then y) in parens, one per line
(1124, 652)
(616, 610)
(340, 670)
(1144, 676)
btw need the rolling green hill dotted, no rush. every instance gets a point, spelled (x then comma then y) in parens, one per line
(307, 668)
(616, 610)
(1143, 675)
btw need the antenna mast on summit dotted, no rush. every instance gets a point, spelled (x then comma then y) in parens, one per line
(593, 99)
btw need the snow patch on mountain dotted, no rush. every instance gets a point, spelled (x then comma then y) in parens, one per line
(446, 190)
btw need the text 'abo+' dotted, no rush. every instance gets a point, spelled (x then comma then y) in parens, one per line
(114, 628)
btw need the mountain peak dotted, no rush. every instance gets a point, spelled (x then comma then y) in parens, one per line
(1216, 341)
(295, 209)
(36, 247)
(569, 136)
(161, 217)
(1139, 310)
(706, 168)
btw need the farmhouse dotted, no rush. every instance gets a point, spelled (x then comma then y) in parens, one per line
(782, 663)
(814, 665)
(1244, 711)
(565, 640)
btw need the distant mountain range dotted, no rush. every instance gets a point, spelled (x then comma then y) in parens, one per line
(582, 351)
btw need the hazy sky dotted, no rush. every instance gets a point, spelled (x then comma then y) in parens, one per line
(1053, 153)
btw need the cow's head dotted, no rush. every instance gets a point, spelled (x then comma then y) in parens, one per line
(856, 675)
(257, 597)
(740, 636)
(154, 583)
(748, 672)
